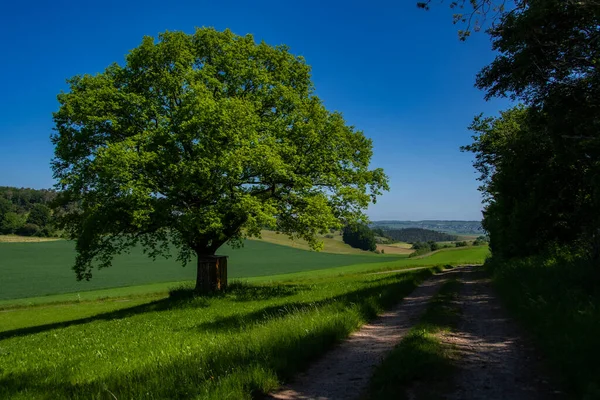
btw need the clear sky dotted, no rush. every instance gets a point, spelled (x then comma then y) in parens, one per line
(398, 73)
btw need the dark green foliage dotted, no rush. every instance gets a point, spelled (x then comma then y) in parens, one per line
(379, 232)
(421, 248)
(540, 163)
(40, 215)
(461, 244)
(6, 206)
(481, 240)
(359, 236)
(412, 235)
(29, 230)
(24, 199)
(26, 206)
(556, 297)
(11, 222)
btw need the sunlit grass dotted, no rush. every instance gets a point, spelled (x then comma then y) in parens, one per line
(232, 345)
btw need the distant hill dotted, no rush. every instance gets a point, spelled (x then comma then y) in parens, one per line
(457, 227)
(413, 235)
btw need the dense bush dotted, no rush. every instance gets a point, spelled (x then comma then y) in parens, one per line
(461, 244)
(359, 236)
(424, 248)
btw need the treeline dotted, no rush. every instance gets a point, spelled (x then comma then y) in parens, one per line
(539, 166)
(454, 227)
(539, 162)
(26, 212)
(412, 235)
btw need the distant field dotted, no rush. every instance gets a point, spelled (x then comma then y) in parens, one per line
(455, 256)
(38, 269)
(24, 239)
(331, 245)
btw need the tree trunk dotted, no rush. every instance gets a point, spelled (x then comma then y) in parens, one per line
(212, 273)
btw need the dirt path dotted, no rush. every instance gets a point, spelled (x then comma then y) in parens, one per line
(344, 372)
(495, 361)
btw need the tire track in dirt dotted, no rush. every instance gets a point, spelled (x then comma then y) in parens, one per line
(495, 362)
(344, 372)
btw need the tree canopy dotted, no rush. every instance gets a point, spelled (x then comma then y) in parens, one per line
(540, 163)
(202, 139)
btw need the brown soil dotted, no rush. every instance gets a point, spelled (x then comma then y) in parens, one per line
(344, 372)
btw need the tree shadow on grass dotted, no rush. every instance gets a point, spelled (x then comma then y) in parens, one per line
(180, 298)
(241, 291)
(383, 288)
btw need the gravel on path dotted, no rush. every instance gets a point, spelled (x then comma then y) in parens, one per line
(344, 372)
(495, 362)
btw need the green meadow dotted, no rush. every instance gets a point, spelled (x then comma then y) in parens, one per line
(157, 340)
(38, 269)
(233, 345)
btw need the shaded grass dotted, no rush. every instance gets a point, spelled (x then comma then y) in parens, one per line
(232, 345)
(421, 365)
(556, 298)
(471, 255)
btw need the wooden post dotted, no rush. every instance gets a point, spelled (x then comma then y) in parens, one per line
(212, 274)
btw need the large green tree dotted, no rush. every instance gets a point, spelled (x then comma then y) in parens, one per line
(202, 139)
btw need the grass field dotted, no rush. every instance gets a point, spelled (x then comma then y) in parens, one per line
(305, 270)
(330, 245)
(37, 269)
(230, 346)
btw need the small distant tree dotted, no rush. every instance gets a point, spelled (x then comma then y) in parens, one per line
(199, 140)
(461, 244)
(359, 236)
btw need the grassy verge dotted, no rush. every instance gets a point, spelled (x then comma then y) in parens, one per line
(234, 345)
(420, 366)
(557, 299)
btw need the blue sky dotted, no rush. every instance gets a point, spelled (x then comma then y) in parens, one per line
(398, 73)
